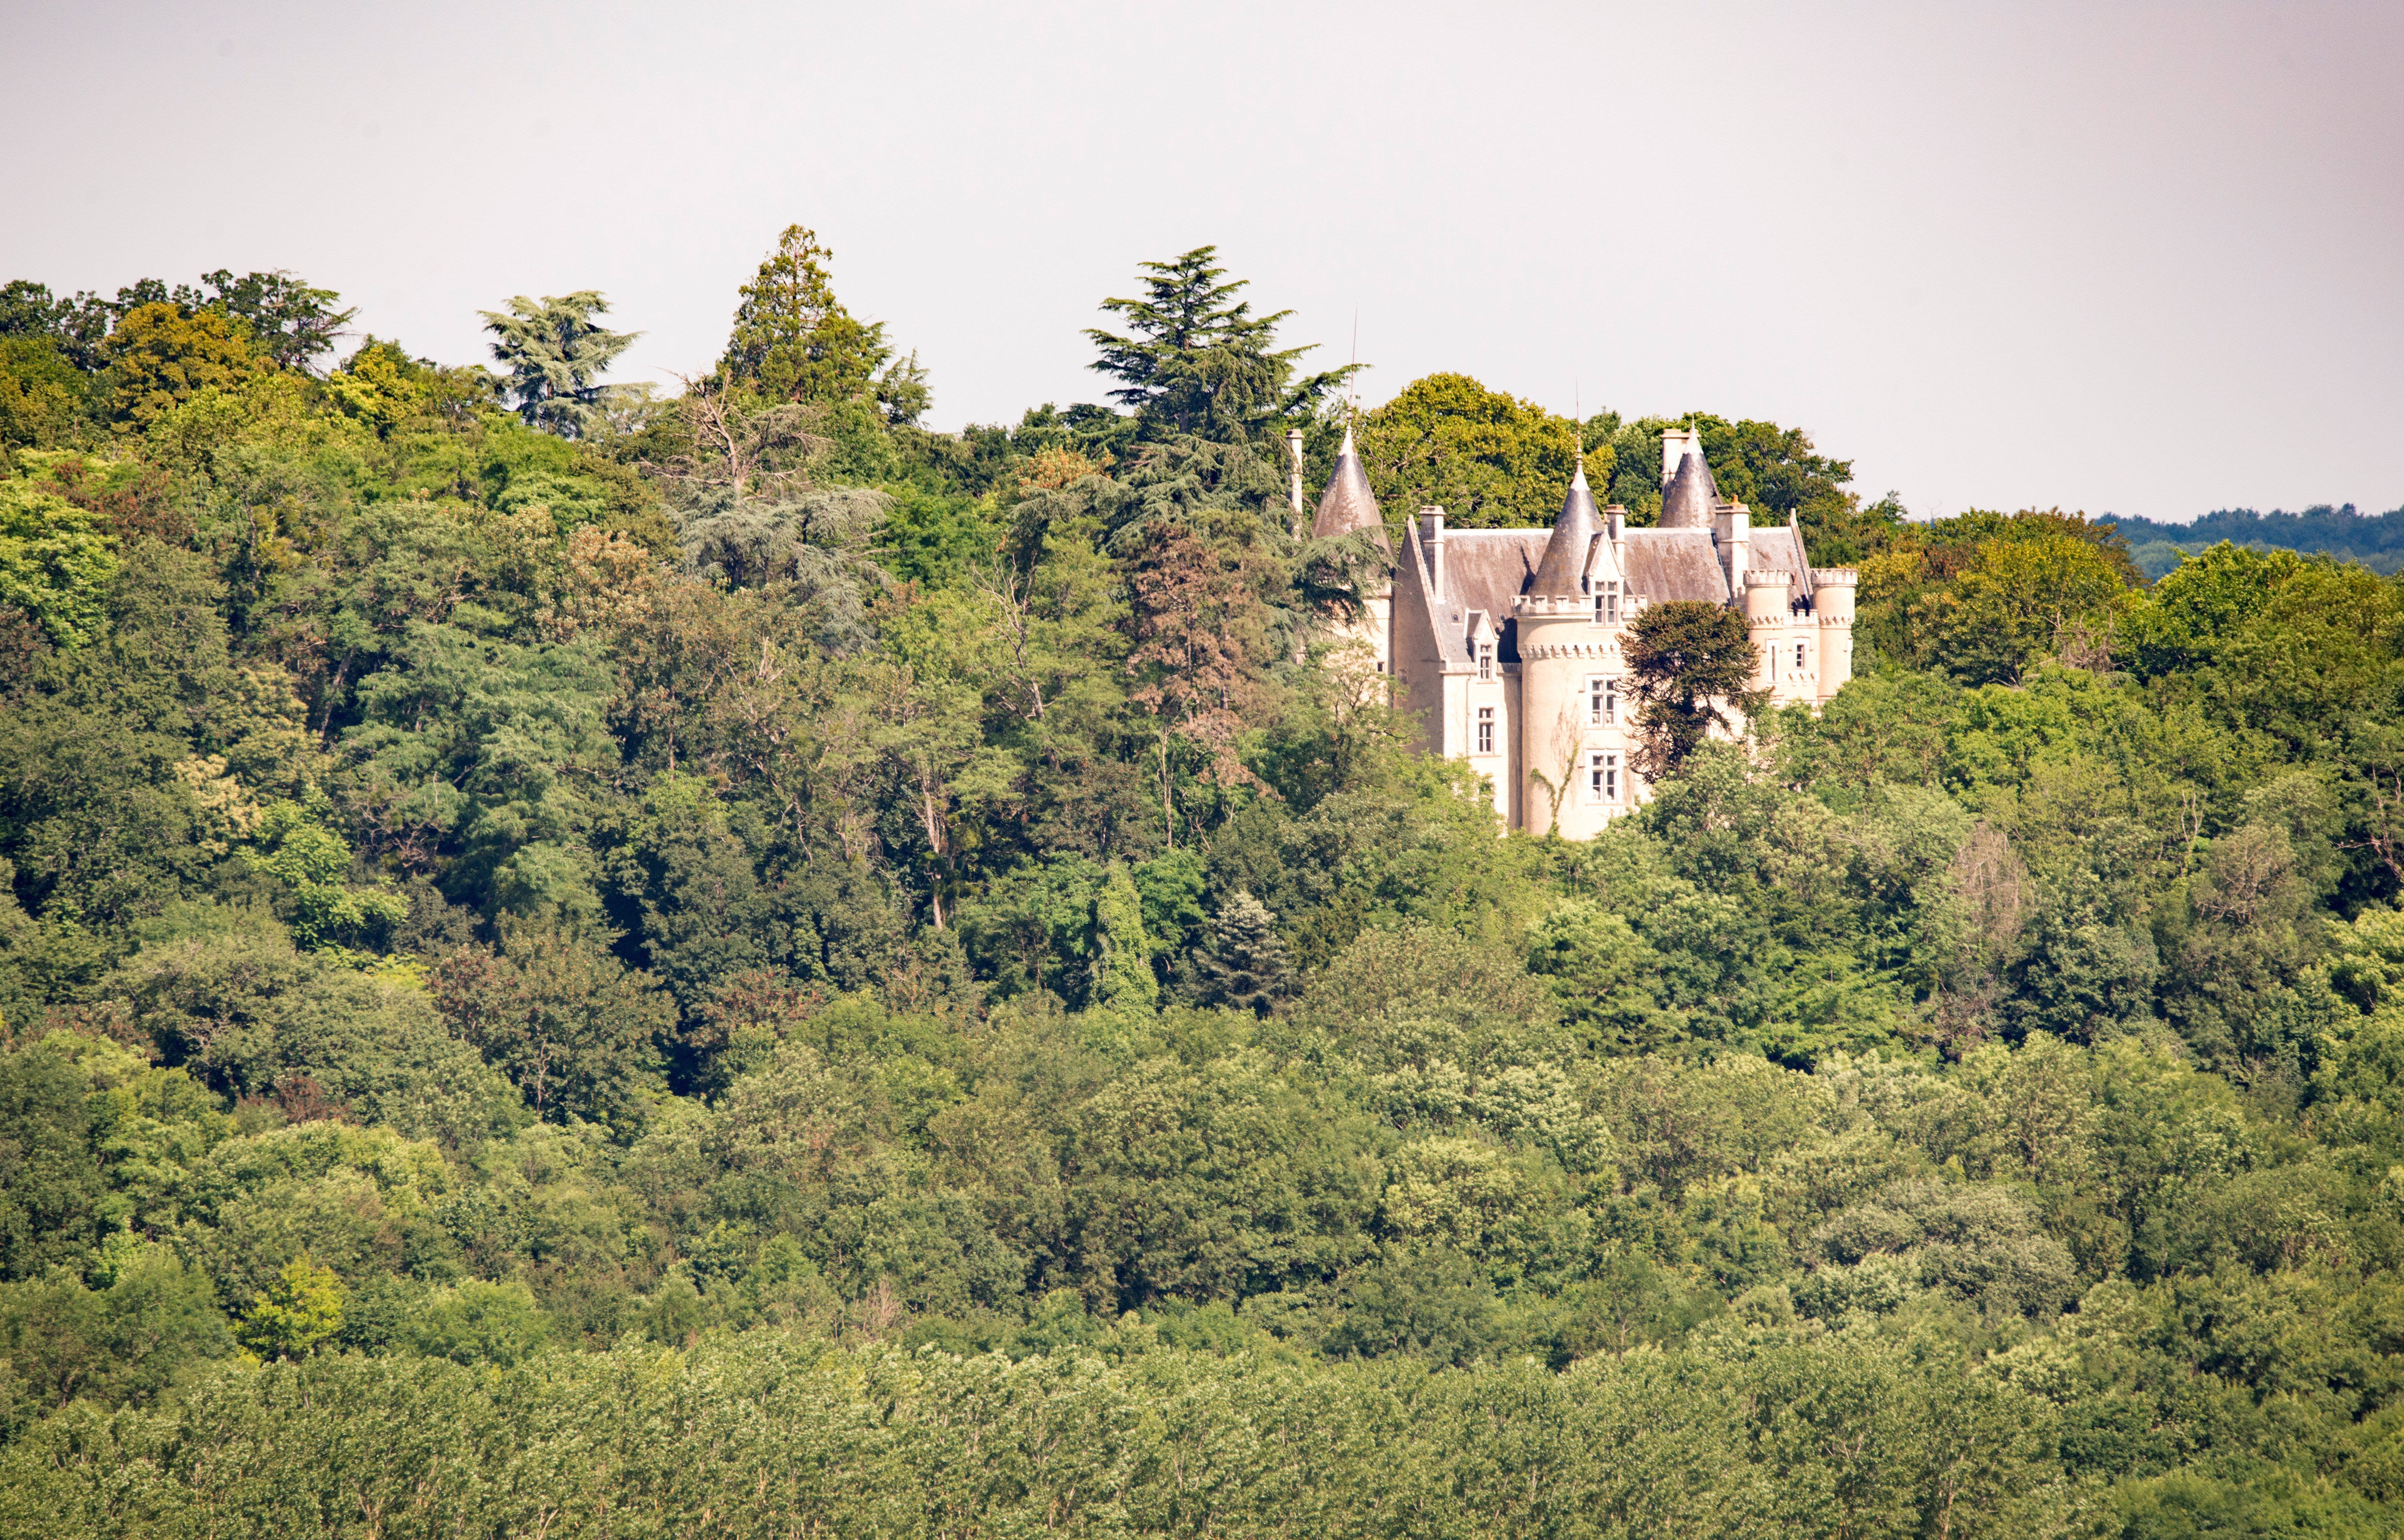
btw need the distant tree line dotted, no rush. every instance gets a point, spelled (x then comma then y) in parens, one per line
(2374, 540)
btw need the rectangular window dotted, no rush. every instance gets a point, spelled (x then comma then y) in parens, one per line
(1602, 702)
(1486, 661)
(1606, 602)
(1798, 655)
(1485, 730)
(1602, 777)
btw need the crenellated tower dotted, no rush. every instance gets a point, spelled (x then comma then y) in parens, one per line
(1832, 609)
(1561, 646)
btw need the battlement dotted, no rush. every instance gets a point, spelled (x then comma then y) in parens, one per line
(1546, 606)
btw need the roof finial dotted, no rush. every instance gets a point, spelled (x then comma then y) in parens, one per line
(1353, 375)
(1577, 420)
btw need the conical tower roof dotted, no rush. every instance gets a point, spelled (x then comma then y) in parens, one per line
(1686, 501)
(1347, 505)
(1558, 574)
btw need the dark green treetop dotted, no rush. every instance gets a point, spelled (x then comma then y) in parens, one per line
(1196, 360)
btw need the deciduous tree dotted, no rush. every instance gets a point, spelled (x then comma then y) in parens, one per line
(1690, 663)
(1487, 458)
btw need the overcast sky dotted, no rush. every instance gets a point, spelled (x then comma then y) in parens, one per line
(2146, 259)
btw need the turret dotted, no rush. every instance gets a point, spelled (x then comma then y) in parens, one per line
(1561, 647)
(1347, 507)
(1561, 572)
(1833, 587)
(1687, 501)
(1832, 606)
(1766, 591)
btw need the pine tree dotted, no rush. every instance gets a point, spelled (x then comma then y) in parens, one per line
(793, 341)
(1245, 966)
(1196, 360)
(555, 353)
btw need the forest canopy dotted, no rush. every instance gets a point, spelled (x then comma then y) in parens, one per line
(580, 961)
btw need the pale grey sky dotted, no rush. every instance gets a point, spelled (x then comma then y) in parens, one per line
(2146, 259)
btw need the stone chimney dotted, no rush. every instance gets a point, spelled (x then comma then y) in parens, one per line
(1732, 532)
(1432, 536)
(1676, 444)
(1293, 452)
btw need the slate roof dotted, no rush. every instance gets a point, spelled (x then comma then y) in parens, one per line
(1781, 547)
(1484, 570)
(1565, 553)
(1487, 569)
(1347, 504)
(1686, 501)
(1674, 563)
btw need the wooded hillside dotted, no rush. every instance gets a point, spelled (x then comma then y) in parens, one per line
(577, 961)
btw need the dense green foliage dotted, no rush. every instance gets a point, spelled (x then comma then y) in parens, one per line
(736, 965)
(1487, 459)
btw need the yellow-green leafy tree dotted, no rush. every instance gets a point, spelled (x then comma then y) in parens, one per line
(161, 358)
(292, 1315)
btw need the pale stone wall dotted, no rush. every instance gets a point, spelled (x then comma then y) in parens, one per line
(1564, 652)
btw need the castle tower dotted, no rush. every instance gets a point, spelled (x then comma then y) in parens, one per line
(1561, 646)
(1765, 590)
(1832, 596)
(1347, 507)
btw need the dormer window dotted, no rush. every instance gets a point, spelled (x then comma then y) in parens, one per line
(1606, 604)
(1486, 659)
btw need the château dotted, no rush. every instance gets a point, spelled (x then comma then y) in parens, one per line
(1508, 644)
